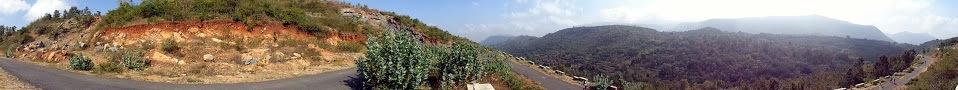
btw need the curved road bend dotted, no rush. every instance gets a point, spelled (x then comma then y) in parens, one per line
(550, 83)
(905, 79)
(56, 79)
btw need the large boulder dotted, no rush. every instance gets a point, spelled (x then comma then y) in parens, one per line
(158, 57)
(208, 57)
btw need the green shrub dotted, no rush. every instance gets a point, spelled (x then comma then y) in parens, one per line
(462, 64)
(108, 67)
(9, 51)
(170, 46)
(349, 47)
(600, 82)
(393, 62)
(134, 60)
(79, 62)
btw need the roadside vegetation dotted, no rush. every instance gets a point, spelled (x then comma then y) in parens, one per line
(711, 58)
(398, 61)
(943, 74)
(320, 18)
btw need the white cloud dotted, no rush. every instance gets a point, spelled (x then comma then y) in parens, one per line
(42, 7)
(12, 6)
(891, 16)
(531, 17)
(539, 17)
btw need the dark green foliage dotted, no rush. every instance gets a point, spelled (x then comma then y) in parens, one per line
(312, 16)
(79, 62)
(855, 74)
(882, 67)
(462, 65)
(134, 60)
(170, 46)
(728, 59)
(393, 62)
(889, 65)
(56, 14)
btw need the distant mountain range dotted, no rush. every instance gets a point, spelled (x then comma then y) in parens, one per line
(700, 57)
(912, 38)
(495, 39)
(799, 25)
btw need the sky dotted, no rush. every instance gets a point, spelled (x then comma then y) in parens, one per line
(21, 12)
(478, 19)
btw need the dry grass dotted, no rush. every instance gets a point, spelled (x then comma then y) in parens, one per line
(9, 82)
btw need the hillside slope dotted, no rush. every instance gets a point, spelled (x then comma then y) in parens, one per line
(943, 74)
(216, 41)
(705, 57)
(798, 25)
(912, 38)
(495, 39)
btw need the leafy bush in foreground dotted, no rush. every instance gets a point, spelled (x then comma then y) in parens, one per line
(462, 64)
(393, 62)
(80, 63)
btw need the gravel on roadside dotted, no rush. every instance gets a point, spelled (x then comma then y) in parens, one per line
(9, 82)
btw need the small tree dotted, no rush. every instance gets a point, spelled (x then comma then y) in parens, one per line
(56, 13)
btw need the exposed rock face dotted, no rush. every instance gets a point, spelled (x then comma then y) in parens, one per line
(158, 57)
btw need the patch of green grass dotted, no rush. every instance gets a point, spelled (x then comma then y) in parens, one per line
(170, 46)
(349, 47)
(108, 67)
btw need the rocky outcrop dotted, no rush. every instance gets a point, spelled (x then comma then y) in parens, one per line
(160, 58)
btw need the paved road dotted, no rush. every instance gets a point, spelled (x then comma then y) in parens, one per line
(56, 79)
(548, 82)
(904, 79)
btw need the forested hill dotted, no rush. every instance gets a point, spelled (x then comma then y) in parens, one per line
(703, 56)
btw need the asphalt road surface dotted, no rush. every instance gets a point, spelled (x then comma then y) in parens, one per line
(904, 79)
(56, 79)
(548, 82)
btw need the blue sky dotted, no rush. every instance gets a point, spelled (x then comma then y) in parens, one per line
(21, 12)
(477, 19)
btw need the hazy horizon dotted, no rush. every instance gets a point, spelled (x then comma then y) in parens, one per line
(477, 20)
